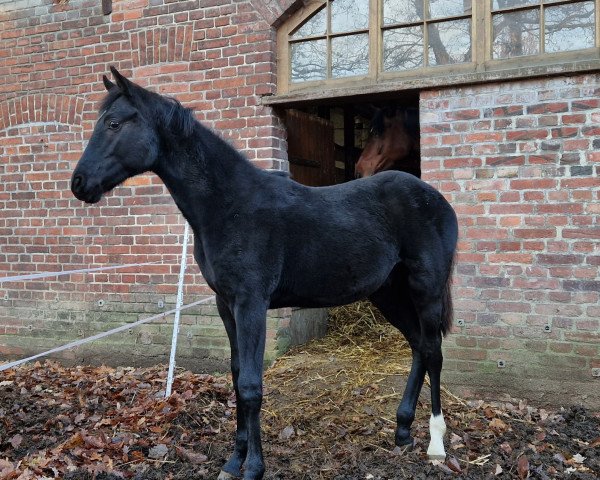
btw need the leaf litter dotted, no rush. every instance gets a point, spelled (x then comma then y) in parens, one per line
(328, 413)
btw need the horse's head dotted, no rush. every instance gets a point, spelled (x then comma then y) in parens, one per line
(389, 143)
(124, 142)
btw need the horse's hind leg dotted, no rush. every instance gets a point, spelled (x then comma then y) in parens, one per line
(394, 302)
(431, 355)
(428, 298)
(415, 307)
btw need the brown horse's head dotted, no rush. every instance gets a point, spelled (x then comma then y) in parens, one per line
(388, 146)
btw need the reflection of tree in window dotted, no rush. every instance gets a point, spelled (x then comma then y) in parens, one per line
(569, 27)
(449, 39)
(349, 15)
(403, 48)
(350, 55)
(566, 27)
(334, 42)
(516, 33)
(309, 61)
(336, 35)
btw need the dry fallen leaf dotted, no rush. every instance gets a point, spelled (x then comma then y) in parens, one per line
(441, 465)
(577, 458)
(193, 457)
(5, 464)
(287, 433)
(497, 425)
(523, 467)
(506, 448)
(489, 413)
(158, 452)
(498, 470)
(453, 464)
(16, 440)
(92, 441)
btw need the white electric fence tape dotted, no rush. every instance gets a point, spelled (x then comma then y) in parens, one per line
(103, 334)
(177, 311)
(36, 276)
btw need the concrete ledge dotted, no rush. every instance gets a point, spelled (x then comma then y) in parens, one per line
(539, 391)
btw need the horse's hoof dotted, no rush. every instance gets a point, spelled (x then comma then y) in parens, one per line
(225, 476)
(405, 441)
(440, 457)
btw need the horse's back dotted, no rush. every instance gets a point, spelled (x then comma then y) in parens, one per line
(342, 242)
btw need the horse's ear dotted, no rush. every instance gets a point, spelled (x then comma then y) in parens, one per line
(123, 84)
(107, 83)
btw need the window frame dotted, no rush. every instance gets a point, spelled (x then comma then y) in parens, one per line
(483, 67)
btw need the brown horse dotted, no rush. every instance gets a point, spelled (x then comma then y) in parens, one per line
(393, 144)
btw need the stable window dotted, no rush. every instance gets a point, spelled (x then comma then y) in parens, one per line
(346, 43)
(531, 27)
(422, 33)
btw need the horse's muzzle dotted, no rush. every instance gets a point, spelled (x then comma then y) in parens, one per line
(81, 192)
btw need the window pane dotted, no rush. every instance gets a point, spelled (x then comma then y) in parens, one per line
(449, 42)
(347, 15)
(350, 55)
(316, 25)
(569, 27)
(498, 4)
(516, 34)
(448, 8)
(403, 48)
(402, 11)
(309, 60)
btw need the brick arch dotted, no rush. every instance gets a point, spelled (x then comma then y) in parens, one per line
(275, 12)
(41, 108)
(162, 44)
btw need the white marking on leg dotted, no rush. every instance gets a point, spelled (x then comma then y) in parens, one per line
(437, 429)
(225, 476)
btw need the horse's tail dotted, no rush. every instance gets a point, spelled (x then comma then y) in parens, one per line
(447, 306)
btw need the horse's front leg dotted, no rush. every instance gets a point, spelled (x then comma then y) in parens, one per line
(250, 328)
(232, 467)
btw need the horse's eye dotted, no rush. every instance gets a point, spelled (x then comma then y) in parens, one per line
(114, 125)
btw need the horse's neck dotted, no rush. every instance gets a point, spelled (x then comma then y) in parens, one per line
(205, 177)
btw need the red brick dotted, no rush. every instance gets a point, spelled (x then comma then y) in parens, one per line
(564, 132)
(544, 108)
(526, 134)
(533, 184)
(466, 114)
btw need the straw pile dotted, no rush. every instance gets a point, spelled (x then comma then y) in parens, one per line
(346, 385)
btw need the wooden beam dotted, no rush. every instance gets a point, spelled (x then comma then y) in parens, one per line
(349, 142)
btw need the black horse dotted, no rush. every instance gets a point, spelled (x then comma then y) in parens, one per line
(264, 241)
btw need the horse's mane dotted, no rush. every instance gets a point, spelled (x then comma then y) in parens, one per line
(410, 120)
(178, 118)
(377, 123)
(166, 111)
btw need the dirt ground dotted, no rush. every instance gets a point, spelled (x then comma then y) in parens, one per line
(328, 413)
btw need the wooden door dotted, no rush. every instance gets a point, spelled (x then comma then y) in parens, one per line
(311, 150)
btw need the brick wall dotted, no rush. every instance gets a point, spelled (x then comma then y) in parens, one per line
(216, 56)
(517, 160)
(519, 163)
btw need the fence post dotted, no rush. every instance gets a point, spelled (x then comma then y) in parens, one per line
(177, 311)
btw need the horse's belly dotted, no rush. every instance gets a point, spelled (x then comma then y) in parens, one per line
(332, 283)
